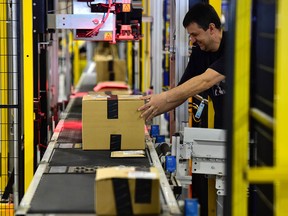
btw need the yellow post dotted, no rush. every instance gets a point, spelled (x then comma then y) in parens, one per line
(217, 5)
(211, 182)
(143, 42)
(129, 62)
(76, 68)
(3, 95)
(241, 107)
(27, 55)
(280, 110)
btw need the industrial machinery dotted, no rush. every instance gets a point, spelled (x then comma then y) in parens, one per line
(208, 151)
(96, 20)
(64, 180)
(200, 151)
(66, 173)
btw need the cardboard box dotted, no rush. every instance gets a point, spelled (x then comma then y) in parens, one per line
(112, 122)
(109, 68)
(127, 191)
(111, 92)
(112, 87)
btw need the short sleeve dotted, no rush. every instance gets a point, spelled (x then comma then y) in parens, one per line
(219, 65)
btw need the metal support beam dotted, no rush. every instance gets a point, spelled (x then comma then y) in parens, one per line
(157, 49)
(281, 104)
(238, 78)
(27, 62)
(181, 56)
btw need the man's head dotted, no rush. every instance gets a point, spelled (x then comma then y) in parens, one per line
(204, 26)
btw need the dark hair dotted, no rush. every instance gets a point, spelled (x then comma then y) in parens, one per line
(203, 14)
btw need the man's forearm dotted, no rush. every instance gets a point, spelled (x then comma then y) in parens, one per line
(194, 86)
(188, 89)
(171, 104)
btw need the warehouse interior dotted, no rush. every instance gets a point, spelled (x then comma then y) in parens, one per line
(73, 75)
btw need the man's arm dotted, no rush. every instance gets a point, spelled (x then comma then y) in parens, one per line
(194, 86)
(168, 100)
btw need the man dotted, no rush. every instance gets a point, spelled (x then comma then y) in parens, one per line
(205, 70)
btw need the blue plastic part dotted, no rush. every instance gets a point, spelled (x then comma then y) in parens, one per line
(170, 163)
(154, 131)
(191, 207)
(160, 139)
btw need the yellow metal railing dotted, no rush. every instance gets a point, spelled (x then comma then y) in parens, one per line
(76, 68)
(129, 62)
(27, 59)
(217, 6)
(3, 95)
(145, 55)
(278, 174)
(211, 181)
(281, 104)
(240, 126)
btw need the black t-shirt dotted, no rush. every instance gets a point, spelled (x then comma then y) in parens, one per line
(199, 62)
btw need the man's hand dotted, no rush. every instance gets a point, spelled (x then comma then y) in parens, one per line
(155, 105)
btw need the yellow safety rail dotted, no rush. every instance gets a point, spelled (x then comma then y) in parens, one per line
(79, 62)
(217, 5)
(211, 181)
(281, 115)
(76, 68)
(145, 47)
(279, 173)
(129, 62)
(3, 95)
(145, 55)
(241, 107)
(27, 59)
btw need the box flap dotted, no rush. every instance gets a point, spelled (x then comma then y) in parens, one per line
(101, 97)
(125, 172)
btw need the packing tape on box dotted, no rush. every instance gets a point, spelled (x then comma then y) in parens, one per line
(112, 107)
(143, 186)
(111, 70)
(122, 196)
(112, 113)
(142, 194)
(115, 142)
(143, 191)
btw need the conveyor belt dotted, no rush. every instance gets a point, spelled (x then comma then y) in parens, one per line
(64, 193)
(64, 180)
(70, 136)
(78, 157)
(75, 111)
(87, 83)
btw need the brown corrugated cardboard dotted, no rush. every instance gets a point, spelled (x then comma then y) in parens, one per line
(111, 92)
(111, 122)
(127, 191)
(110, 69)
(128, 153)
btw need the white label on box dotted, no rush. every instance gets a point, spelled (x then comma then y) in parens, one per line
(142, 175)
(139, 152)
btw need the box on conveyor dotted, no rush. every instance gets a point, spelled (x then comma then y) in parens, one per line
(112, 122)
(109, 67)
(112, 87)
(127, 191)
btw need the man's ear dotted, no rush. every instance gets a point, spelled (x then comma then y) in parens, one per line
(212, 27)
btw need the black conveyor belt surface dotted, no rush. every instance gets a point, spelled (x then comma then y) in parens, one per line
(88, 83)
(70, 192)
(64, 193)
(78, 157)
(70, 136)
(75, 111)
